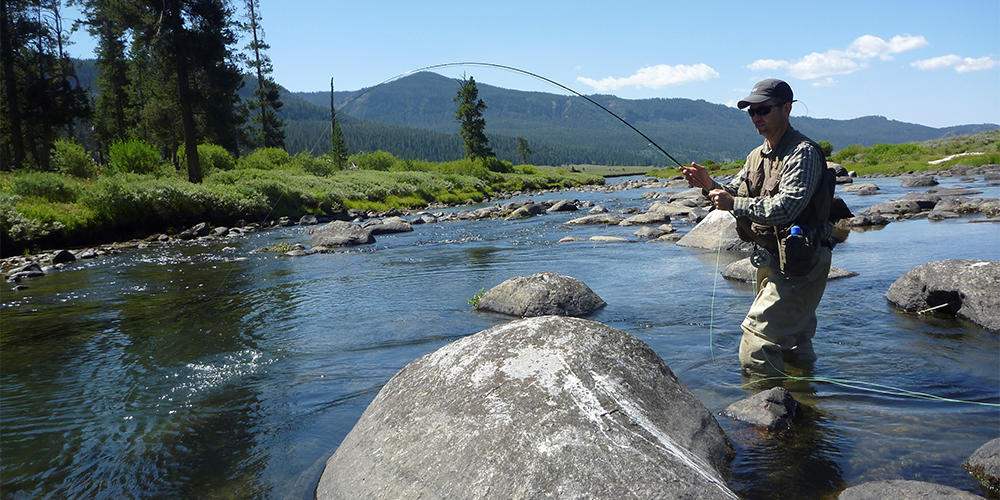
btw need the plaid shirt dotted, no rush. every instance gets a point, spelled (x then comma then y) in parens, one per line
(801, 173)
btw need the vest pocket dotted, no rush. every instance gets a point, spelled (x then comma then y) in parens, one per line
(797, 254)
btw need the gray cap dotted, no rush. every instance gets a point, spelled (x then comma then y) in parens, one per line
(766, 89)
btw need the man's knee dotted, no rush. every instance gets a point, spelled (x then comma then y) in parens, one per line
(760, 356)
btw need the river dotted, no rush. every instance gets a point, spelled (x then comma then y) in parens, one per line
(202, 370)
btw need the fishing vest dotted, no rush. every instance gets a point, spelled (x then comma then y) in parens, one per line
(763, 178)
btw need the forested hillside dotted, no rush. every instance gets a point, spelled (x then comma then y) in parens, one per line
(567, 129)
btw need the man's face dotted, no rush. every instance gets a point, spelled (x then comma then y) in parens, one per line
(769, 116)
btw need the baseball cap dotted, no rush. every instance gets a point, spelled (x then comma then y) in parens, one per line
(766, 89)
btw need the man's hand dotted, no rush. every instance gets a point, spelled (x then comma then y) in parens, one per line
(721, 199)
(697, 176)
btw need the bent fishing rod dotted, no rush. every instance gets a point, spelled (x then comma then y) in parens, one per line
(534, 75)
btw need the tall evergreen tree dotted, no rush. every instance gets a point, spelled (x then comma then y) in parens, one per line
(470, 115)
(266, 97)
(523, 149)
(338, 149)
(41, 95)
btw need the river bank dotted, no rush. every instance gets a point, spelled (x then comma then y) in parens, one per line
(219, 371)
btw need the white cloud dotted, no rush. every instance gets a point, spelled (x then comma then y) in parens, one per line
(961, 64)
(833, 62)
(868, 46)
(828, 82)
(765, 64)
(843, 62)
(656, 77)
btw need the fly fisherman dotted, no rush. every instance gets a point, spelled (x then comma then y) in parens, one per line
(781, 200)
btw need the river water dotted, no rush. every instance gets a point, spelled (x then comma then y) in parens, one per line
(202, 370)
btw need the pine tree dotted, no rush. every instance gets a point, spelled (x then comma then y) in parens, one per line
(470, 114)
(338, 149)
(266, 97)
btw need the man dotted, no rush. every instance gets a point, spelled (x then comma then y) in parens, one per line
(783, 184)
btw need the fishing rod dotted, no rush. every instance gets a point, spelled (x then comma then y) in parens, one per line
(534, 75)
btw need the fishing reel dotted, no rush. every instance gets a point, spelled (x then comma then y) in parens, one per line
(760, 258)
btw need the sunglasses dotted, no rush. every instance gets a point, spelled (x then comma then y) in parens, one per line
(762, 110)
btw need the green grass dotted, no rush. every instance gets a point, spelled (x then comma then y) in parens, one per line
(39, 210)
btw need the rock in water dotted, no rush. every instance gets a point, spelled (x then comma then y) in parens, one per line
(718, 229)
(964, 288)
(547, 407)
(984, 464)
(904, 490)
(340, 234)
(771, 409)
(540, 295)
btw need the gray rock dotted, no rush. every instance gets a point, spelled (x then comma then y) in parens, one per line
(646, 218)
(564, 206)
(547, 407)
(964, 288)
(743, 271)
(895, 207)
(648, 232)
(984, 464)
(918, 181)
(528, 210)
(610, 239)
(771, 409)
(387, 226)
(864, 220)
(718, 228)
(904, 490)
(32, 270)
(605, 219)
(340, 234)
(571, 239)
(867, 187)
(201, 229)
(63, 257)
(308, 220)
(925, 201)
(539, 295)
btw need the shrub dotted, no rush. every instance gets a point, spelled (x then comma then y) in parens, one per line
(850, 154)
(211, 159)
(322, 166)
(496, 165)
(135, 156)
(826, 147)
(71, 158)
(266, 159)
(47, 186)
(377, 160)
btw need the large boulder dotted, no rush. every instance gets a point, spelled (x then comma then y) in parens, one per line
(340, 234)
(717, 229)
(540, 295)
(899, 489)
(547, 407)
(964, 288)
(388, 226)
(984, 464)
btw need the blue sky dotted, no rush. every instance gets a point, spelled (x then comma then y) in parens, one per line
(928, 62)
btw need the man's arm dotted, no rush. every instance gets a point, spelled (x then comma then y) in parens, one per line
(800, 175)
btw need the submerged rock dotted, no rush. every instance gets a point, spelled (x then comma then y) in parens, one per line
(541, 294)
(904, 490)
(547, 407)
(963, 288)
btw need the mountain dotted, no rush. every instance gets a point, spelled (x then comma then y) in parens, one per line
(689, 130)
